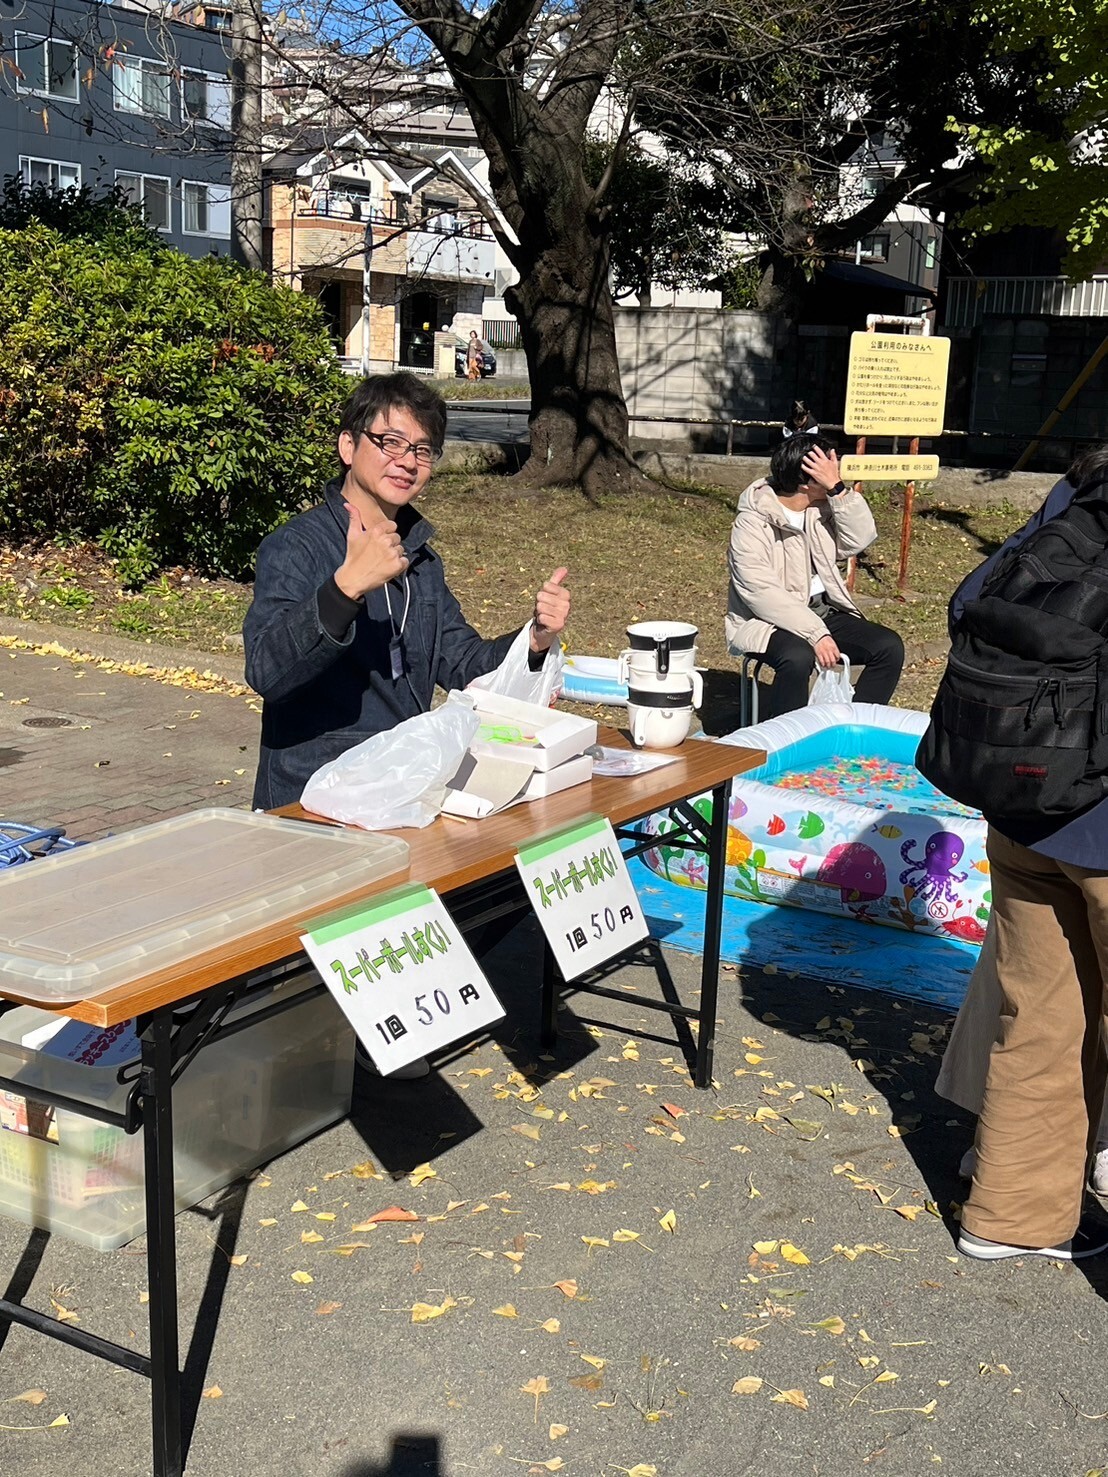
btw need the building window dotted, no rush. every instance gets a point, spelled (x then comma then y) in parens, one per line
(874, 248)
(141, 86)
(48, 66)
(872, 185)
(206, 209)
(151, 191)
(217, 20)
(51, 173)
(1028, 371)
(931, 253)
(206, 98)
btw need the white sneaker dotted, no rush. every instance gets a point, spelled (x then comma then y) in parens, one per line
(1088, 1240)
(1098, 1181)
(967, 1168)
(421, 1067)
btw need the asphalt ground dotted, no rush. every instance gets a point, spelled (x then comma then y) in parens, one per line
(803, 1310)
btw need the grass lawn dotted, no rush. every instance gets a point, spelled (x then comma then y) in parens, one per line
(631, 558)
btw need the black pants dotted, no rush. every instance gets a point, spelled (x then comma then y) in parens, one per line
(792, 658)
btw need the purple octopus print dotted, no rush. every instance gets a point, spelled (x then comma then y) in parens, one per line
(933, 876)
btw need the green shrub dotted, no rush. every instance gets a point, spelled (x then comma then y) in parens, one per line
(175, 409)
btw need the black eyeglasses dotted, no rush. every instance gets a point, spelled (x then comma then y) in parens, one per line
(395, 446)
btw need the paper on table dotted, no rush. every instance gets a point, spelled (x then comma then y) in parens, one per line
(622, 763)
(484, 785)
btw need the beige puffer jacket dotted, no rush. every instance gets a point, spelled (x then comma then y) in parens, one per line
(771, 564)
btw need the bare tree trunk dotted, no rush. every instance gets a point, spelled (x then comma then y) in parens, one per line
(247, 200)
(578, 416)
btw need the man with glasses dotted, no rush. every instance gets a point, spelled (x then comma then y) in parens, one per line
(353, 624)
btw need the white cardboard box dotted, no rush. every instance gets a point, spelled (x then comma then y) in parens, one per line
(547, 738)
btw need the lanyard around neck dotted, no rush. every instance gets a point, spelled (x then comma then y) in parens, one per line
(396, 645)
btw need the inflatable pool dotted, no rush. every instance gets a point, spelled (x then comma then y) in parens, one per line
(593, 679)
(839, 820)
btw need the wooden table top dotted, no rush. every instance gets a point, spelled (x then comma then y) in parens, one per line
(445, 855)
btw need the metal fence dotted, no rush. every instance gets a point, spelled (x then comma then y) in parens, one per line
(502, 333)
(970, 299)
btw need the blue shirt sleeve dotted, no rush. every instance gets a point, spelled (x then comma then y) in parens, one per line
(1056, 501)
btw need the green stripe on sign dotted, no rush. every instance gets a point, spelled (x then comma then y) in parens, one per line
(387, 906)
(557, 840)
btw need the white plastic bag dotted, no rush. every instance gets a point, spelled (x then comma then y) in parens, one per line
(514, 678)
(832, 686)
(397, 778)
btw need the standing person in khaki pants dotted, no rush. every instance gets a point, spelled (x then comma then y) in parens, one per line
(965, 1062)
(1043, 1100)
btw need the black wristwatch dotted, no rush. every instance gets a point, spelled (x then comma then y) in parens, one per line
(839, 487)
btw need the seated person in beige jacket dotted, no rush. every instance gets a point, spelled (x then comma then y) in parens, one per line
(788, 603)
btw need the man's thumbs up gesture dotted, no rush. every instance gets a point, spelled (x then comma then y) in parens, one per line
(551, 612)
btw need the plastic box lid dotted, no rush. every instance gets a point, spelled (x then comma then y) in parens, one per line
(80, 923)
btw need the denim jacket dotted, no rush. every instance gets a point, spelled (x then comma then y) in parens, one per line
(323, 695)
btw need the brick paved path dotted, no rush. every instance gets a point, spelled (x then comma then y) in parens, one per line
(133, 749)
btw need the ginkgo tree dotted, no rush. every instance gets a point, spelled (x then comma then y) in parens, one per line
(1053, 174)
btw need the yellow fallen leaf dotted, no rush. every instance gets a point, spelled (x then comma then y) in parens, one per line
(297, 1206)
(507, 1311)
(594, 1361)
(766, 1115)
(593, 1241)
(552, 1325)
(791, 1397)
(348, 1248)
(541, 1112)
(557, 1432)
(794, 1255)
(213, 1392)
(625, 1235)
(748, 1386)
(269, 1221)
(568, 1287)
(831, 1325)
(753, 1058)
(366, 1171)
(886, 1377)
(424, 1312)
(909, 1212)
(63, 1314)
(538, 1387)
(594, 1187)
(59, 1420)
(528, 1130)
(325, 1215)
(422, 1172)
(29, 1397)
(668, 1222)
(309, 1238)
(765, 1248)
(641, 1469)
(303, 1278)
(828, 1380)
(479, 1072)
(748, 1345)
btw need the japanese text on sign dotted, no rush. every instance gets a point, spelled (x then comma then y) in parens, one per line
(403, 976)
(889, 468)
(582, 894)
(896, 385)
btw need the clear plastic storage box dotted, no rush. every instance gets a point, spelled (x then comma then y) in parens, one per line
(77, 924)
(240, 1102)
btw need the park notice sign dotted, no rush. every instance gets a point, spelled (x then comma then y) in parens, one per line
(896, 385)
(582, 894)
(890, 468)
(403, 976)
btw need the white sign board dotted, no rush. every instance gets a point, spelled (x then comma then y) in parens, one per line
(582, 894)
(403, 976)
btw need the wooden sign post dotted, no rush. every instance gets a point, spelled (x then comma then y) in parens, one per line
(896, 386)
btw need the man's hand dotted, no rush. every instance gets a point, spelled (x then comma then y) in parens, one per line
(821, 468)
(827, 653)
(551, 612)
(374, 556)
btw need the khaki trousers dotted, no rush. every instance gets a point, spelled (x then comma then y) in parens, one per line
(1047, 1068)
(965, 1063)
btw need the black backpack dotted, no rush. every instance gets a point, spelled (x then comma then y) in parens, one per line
(1019, 726)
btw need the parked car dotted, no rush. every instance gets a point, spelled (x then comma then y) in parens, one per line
(488, 357)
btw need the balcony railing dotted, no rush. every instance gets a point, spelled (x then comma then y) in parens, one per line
(343, 205)
(970, 299)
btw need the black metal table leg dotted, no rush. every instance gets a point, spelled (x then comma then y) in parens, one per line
(551, 977)
(713, 929)
(161, 1244)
